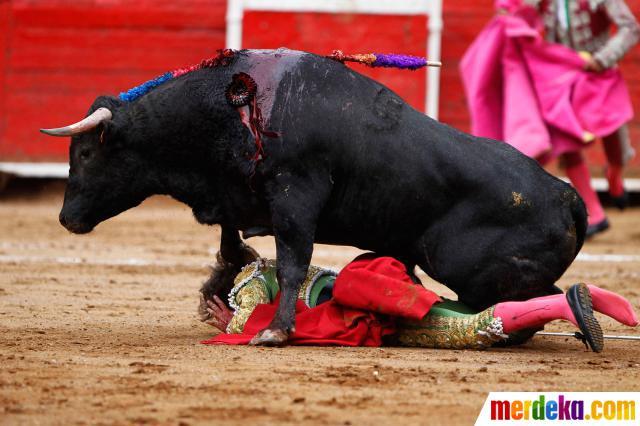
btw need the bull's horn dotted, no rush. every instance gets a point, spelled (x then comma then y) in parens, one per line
(97, 117)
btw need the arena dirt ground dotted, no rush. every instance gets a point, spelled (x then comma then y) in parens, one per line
(101, 329)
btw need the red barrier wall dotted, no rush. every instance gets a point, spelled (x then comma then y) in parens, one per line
(59, 55)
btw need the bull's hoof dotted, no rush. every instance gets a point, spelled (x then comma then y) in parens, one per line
(268, 337)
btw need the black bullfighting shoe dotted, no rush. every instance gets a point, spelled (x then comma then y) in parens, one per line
(579, 299)
(622, 201)
(597, 228)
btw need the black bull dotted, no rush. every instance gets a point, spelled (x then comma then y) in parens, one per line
(348, 163)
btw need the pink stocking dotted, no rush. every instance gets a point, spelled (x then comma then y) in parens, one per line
(616, 183)
(533, 312)
(578, 173)
(613, 305)
(613, 150)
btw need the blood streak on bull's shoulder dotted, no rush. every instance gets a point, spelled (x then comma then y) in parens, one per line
(241, 94)
(253, 95)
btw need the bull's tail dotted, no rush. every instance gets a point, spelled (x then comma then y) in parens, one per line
(579, 214)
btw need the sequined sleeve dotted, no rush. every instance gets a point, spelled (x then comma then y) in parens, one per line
(252, 294)
(513, 6)
(627, 35)
(256, 284)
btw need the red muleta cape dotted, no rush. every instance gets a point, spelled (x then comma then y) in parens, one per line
(368, 293)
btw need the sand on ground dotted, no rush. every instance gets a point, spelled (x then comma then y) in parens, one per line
(102, 329)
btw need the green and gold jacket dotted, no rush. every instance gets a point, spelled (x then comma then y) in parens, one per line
(257, 284)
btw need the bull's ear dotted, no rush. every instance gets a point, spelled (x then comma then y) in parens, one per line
(110, 130)
(111, 134)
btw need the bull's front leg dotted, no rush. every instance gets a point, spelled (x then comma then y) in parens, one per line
(234, 250)
(295, 210)
(294, 256)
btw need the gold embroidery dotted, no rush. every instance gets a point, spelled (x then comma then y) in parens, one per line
(250, 290)
(252, 294)
(312, 276)
(477, 331)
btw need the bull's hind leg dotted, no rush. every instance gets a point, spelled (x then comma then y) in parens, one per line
(500, 283)
(512, 280)
(483, 275)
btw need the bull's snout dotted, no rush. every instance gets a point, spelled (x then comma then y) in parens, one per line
(73, 226)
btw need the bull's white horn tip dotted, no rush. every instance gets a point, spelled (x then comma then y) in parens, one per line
(51, 132)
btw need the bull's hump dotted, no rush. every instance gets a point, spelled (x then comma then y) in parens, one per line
(267, 67)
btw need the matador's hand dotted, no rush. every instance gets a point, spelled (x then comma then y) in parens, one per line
(590, 63)
(220, 315)
(594, 66)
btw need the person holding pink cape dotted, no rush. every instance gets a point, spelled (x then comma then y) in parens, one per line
(553, 96)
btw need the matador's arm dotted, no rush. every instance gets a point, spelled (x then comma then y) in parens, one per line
(627, 34)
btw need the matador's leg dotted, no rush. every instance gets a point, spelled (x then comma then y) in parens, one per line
(447, 327)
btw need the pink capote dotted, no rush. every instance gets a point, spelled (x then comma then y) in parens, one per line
(536, 95)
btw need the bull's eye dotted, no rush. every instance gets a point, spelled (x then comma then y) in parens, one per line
(85, 154)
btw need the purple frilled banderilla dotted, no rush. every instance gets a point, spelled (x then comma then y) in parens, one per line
(386, 60)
